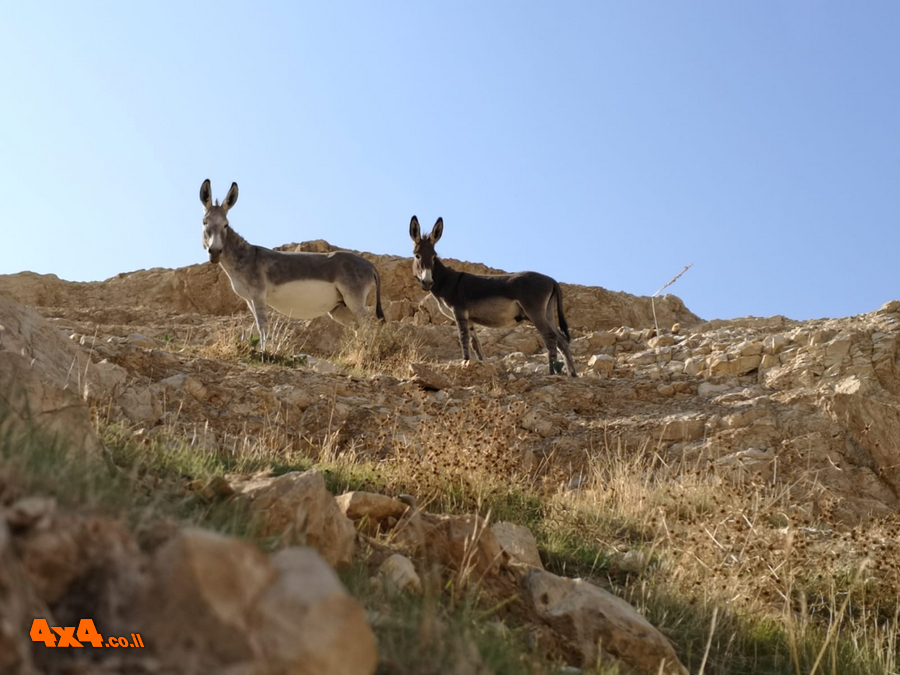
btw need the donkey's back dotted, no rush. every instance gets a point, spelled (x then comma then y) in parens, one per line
(512, 286)
(336, 266)
(305, 285)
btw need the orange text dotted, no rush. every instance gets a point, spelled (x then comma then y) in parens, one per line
(70, 636)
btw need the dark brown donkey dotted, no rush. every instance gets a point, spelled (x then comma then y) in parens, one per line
(492, 300)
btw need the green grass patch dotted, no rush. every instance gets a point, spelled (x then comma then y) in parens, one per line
(140, 485)
(440, 633)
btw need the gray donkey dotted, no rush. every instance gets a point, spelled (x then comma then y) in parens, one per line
(493, 300)
(300, 285)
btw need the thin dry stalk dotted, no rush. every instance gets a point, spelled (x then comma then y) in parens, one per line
(712, 631)
(662, 288)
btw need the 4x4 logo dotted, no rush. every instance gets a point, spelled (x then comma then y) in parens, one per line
(68, 636)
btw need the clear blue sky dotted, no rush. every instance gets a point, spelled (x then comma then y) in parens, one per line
(603, 143)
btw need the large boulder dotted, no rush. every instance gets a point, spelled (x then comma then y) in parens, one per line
(204, 587)
(590, 619)
(218, 604)
(462, 543)
(308, 624)
(298, 509)
(40, 375)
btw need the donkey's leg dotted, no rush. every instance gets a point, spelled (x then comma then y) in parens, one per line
(462, 322)
(561, 340)
(356, 302)
(549, 335)
(566, 351)
(352, 310)
(344, 316)
(258, 307)
(475, 343)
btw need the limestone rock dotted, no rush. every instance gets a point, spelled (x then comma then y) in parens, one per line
(538, 421)
(602, 363)
(694, 365)
(65, 556)
(681, 428)
(297, 508)
(463, 543)
(399, 575)
(661, 341)
(600, 339)
(428, 378)
(218, 604)
(518, 542)
(51, 559)
(634, 561)
(204, 587)
(890, 307)
(29, 511)
(321, 366)
(587, 617)
(736, 364)
(358, 505)
(306, 623)
(39, 370)
(142, 341)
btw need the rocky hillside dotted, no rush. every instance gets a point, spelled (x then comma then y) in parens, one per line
(809, 411)
(204, 290)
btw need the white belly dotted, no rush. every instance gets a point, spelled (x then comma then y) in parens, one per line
(303, 299)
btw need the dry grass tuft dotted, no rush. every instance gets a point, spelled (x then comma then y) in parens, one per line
(377, 348)
(467, 459)
(238, 341)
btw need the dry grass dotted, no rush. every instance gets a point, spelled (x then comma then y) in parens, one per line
(732, 575)
(735, 574)
(374, 348)
(237, 340)
(462, 460)
(787, 595)
(377, 348)
(728, 576)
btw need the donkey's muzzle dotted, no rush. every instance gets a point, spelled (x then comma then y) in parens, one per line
(426, 285)
(214, 256)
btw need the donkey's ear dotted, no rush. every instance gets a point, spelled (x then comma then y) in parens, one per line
(414, 232)
(206, 194)
(437, 230)
(231, 197)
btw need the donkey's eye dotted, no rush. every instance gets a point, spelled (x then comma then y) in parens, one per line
(418, 257)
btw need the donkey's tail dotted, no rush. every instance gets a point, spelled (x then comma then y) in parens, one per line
(378, 311)
(563, 326)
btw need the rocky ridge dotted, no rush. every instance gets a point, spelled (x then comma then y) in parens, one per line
(810, 405)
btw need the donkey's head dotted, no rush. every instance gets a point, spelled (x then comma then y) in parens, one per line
(423, 251)
(215, 219)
